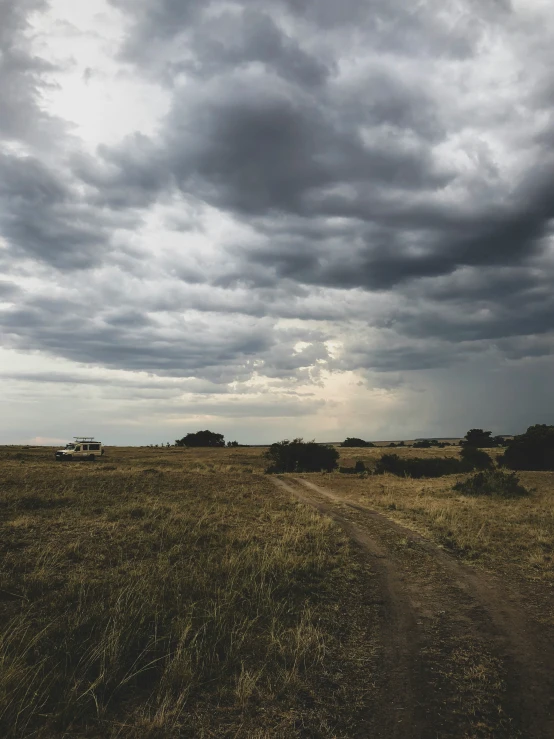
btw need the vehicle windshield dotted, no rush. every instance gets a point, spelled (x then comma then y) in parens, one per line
(70, 446)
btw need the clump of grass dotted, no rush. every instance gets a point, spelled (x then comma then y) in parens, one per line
(492, 482)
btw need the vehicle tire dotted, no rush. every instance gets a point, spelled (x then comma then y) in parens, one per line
(92, 458)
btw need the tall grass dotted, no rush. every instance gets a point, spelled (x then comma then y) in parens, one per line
(187, 598)
(514, 536)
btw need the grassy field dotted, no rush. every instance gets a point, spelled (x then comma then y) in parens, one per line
(514, 537)
(161, 593)
(177, 593)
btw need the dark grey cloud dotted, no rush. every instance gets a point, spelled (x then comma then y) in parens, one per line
(69, 332)
(42, 215)
(257, 149)
(418, 30)
(128, 178)
(350, 164)
(365, 150)
(155, 23)
(219, 348)
(407, 358)
(486, 321)
(424, 30)
(8, 291)
(238, 40)
(381, 257)
(138, 386)
(527, 347)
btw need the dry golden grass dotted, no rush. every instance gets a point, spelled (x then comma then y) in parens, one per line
(177, 593)
(171, 592)
(514, 537)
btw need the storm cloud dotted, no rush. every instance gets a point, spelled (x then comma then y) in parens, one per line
(289, 194)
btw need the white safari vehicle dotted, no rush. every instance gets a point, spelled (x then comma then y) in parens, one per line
(84, 447)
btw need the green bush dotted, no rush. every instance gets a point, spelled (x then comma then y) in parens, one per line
(470, 459)
(492, 482)
(418, 467)
(301, 456)
(475, 459)
(533, 450)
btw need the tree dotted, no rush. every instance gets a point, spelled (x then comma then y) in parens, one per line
(533, 450)
(355, 442)
(201, 438)
(474, 458)
(478, 438)
(300, 456)
(233, 443)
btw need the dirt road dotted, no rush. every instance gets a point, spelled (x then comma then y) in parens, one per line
(459, 656)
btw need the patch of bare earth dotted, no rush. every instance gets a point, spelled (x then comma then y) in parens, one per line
(460, 655)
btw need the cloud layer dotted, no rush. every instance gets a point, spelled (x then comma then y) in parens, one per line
(267, 199)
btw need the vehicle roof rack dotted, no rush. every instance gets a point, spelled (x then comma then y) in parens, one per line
(84, 438)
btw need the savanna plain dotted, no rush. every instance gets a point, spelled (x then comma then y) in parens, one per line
(181, 592)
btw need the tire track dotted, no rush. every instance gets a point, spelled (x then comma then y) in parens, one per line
(446, 629)
(398, 634)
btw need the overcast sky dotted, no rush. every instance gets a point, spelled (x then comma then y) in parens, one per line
(275, 219)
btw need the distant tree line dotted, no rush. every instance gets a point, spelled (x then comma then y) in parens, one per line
(533, 450)
(470, 459)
